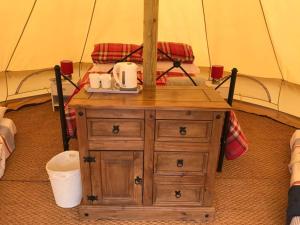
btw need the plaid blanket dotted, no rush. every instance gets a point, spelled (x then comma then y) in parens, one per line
(236, 142)
(177, 51)
(113, 52)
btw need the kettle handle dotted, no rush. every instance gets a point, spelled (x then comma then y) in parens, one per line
(116, 70)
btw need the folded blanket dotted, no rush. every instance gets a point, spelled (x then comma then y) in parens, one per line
(7, 133)
(295, 140)
(295, 174)
(177, 51)
(295, 156)
(113, 52)
(236, 142)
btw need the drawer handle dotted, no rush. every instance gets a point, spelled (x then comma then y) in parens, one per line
(116, 129)
(182, 130)
(138, 180)
(179, 162)
(177, 194)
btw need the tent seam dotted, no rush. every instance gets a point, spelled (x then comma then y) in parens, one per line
(87, 35)
(206, 35)
(15, 48)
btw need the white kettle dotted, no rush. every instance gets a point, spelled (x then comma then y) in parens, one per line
(125, 75)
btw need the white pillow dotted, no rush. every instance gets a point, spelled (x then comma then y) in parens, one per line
(2, 111)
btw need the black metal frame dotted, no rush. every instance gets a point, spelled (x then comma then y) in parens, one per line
(227, 116)
(176, 64)
(63, 124)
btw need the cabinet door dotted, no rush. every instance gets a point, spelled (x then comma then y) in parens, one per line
(115, 177)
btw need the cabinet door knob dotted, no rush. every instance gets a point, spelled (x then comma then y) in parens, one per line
(115, 129)
(177, 194)
(179, 162)
(80, 113)
(182, 130)
(138, 180)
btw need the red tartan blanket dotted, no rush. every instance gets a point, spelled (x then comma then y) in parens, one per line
(177, 51)
(236, 142)
(113, 52)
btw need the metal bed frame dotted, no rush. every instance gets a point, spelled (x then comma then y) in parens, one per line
(176, 64)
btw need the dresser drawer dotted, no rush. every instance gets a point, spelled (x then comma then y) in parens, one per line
(180, 163)
(115, 129)
(173, 194)
(183, 130)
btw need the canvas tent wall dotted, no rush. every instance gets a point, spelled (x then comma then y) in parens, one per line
(259, 37)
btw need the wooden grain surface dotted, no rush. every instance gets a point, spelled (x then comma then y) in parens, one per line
(167, 98)
(150, 42)
(199, 214)
(127, 129)
(177, 194)
(83, 152)
(213, 158)
(180, 163)
(194, 131)
(148, 156)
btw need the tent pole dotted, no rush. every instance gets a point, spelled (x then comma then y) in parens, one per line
(61, 108)
(150, 43)
(226, 120)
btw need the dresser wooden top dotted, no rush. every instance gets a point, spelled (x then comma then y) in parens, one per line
(165, 97)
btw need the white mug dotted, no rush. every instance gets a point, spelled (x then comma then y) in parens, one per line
(95, 80)
(105, 80)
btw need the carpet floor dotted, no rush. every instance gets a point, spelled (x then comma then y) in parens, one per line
(251, 190)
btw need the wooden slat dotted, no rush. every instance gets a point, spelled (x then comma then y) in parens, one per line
(150, 42)
(138, 172)
(183, 115)
(83, 151)
(180, 146)
(109, 113)
(148, 156)
(190, 98)
(96, 177)
(179, 179)
(201, 214)
(213, 158)
(213, 95)
(116, 145)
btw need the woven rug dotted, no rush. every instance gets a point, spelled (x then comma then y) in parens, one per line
(251, 190)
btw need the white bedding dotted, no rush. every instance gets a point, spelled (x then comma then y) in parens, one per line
(7, 144)
(161, 66)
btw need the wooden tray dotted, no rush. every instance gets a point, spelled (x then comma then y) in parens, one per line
(113, 90)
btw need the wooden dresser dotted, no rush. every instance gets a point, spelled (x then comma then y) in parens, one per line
(151, 155)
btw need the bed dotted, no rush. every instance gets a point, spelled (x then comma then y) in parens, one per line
(175, 66)
(7, 143)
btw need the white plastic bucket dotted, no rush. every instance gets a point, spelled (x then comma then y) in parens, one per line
(64, 174)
